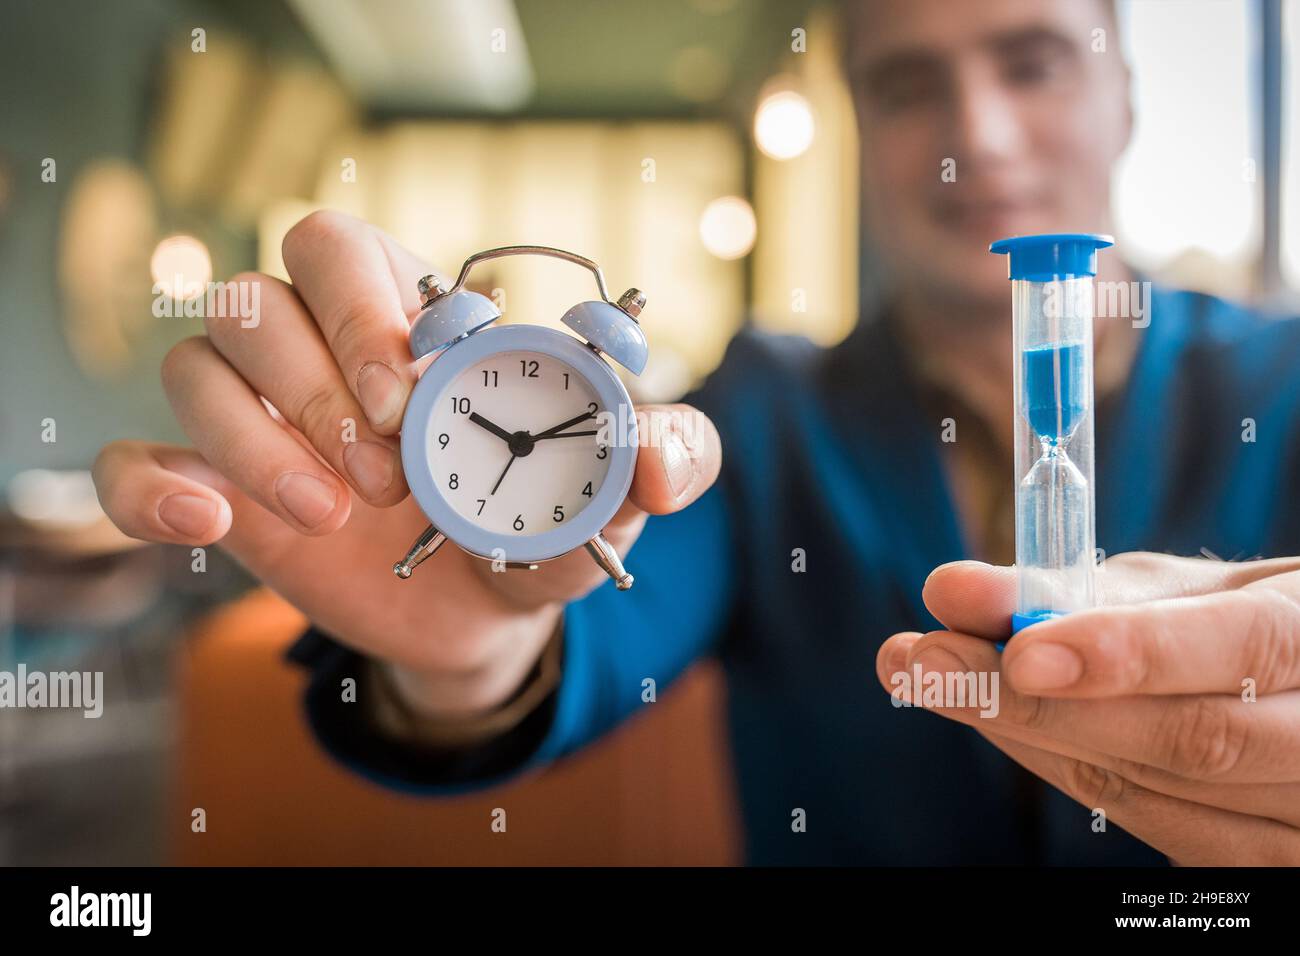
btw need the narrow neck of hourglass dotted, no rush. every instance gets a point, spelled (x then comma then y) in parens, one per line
(1053, 446)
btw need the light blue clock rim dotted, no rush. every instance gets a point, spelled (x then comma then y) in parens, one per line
(415, 444)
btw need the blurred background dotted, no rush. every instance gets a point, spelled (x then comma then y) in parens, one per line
(701, 150)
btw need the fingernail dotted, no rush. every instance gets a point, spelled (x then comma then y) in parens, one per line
(677, 464)
(902, 646)
(940, 659)
(1042, 666)
(187, 515)
(308, 499)
(380, 393)
(371, 466)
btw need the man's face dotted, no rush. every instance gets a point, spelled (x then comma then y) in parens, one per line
(1012, 91)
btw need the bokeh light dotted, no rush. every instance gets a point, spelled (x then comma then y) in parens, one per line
(783, 125)
(181, 267)
(728, 227)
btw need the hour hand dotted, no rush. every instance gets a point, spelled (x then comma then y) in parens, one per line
(495, 429)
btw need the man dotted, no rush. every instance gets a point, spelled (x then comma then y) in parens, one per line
(836, 502)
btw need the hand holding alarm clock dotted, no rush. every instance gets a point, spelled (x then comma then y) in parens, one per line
(312, 499)
(572, 475)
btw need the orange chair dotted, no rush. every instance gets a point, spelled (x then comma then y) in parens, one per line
(656, 791)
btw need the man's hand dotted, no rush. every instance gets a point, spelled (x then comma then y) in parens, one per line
(320, 517)
(1174, 706)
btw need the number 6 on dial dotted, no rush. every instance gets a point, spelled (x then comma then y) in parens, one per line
(519, 442)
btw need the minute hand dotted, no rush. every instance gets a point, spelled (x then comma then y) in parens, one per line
(567, 435)
(563, 425)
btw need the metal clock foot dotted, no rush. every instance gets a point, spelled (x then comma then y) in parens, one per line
(425, 545)
(603, 553)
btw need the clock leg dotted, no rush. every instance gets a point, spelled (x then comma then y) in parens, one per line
(603, 553)
(427, 543)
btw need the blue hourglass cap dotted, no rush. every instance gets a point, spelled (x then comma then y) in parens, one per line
(1054, 255)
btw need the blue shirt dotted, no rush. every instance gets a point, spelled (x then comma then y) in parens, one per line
(827, 452)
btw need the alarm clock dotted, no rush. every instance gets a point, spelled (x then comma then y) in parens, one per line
(519, 442)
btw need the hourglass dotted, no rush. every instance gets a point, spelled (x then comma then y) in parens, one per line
(1052, 312)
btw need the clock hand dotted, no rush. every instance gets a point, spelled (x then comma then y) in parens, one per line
(566, 435)
(495, 429)
(503, 474)
(563, 425)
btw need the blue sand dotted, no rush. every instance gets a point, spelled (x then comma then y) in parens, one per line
(1054, 383)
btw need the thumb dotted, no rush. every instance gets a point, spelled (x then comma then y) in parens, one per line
(976, 598)
(971, 597)
(679, 457)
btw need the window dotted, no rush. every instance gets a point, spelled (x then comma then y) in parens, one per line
(1187, 192)
(1290, 224)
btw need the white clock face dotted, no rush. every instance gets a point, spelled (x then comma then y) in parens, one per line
(496, 454)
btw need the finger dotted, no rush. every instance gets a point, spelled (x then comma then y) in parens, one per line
(285, 359)
(971, 597)
(1214, 737)
(231, 429)
(359, 286)
(130, 476)
(1213, 643)
(1278, 801)
(146, 500)
(1188, 833)
(1145, 576)
(678, 460)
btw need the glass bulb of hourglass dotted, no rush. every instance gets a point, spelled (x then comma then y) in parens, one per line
(1053, 532)
(1053, 525)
